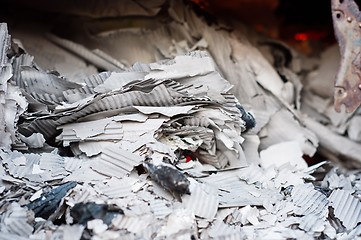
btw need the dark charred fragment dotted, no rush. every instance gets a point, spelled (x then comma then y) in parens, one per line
(169, 178)
(247, 117)
(281, 53)
(324, 190)
(84, 212)
(286, 191)
(47, 204)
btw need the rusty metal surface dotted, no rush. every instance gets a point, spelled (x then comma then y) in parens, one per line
(347, 25)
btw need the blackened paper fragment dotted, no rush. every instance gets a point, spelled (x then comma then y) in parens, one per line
(169, 178)
(45, 205)
(84, 212)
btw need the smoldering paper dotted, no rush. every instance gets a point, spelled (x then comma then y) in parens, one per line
(162, 101)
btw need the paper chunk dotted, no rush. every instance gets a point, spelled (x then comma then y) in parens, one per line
(180, 225)
(104, 129)
(169, 178)
(118, 80)
(115, 188)
(73, 232)
(309, 201)
(354, 129)
(47, 204)
(166, 111)
(116, 162)
(17, 220)
(283, 153)
(83, 213)
(220, 230)
(34, 167)
(283, 127)
(346, 207)
(183, 66)
(35, 140)
(12, 103)
(203, 200)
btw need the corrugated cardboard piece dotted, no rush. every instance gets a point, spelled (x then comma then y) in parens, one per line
(86, 152)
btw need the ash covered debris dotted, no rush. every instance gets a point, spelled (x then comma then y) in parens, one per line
(177, 99)
(48, 203)
(247, 117)
(169, 178)
(84, 212)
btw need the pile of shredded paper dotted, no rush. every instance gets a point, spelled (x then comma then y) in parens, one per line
(181, 130)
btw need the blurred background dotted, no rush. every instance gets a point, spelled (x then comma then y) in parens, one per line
(304, 24)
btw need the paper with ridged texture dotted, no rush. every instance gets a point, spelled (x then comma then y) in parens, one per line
(203, 200)
(346, 207)
(171, 105)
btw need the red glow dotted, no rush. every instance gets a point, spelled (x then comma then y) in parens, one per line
(201, 3)
(312, 35)
(301, 36)
(188, 158)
